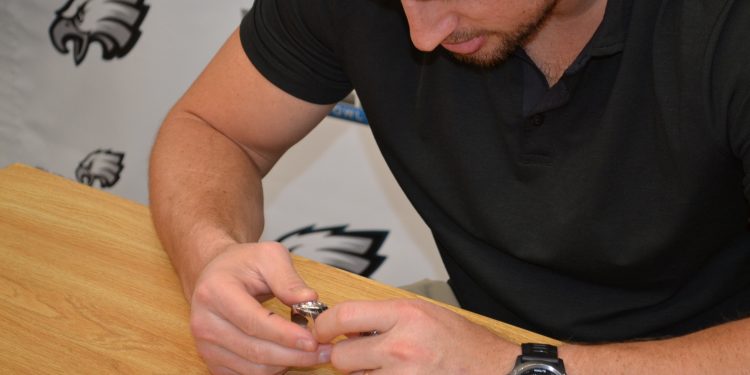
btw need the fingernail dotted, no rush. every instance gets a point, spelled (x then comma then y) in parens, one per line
(302, 290)
(298, 288)
(306, 345)
(324, 356)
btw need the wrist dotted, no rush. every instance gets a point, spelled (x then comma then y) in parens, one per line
(195, 255)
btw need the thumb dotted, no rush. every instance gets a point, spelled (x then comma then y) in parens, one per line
(283, 280)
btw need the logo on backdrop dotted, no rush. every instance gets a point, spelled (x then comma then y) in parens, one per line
(114, 24)
(104, 166)
(353, 251)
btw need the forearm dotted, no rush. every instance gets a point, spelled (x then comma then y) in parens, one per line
(205, 194)
(720, 349)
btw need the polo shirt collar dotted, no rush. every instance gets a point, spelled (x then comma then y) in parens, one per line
(608, 40)
(609, 37)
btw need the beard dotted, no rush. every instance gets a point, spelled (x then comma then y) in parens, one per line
(505, 42)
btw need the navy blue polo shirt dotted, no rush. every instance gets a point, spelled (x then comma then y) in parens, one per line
(610, 206)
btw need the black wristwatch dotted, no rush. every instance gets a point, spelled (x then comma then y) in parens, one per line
(538, 359)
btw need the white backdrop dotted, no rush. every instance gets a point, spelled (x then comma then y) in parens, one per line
(93, 118)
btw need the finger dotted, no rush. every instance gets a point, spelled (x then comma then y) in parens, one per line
(234, 304)
(366, 372)
(264, 352)
(357, 354)
(355, 316)
(282, 278)
(220, 370)
(222, 360)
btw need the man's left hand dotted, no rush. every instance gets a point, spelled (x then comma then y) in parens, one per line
(413, 337)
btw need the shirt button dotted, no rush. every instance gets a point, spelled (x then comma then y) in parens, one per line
(537, 120)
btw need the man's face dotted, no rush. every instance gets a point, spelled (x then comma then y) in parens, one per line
(479, 32)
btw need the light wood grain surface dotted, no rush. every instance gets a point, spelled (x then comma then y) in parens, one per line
(85, 287)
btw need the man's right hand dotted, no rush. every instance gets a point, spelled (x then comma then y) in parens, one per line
(234, 333)
(218, 141)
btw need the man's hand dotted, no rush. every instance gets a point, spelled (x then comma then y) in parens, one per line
(234, 333)
(414, 337)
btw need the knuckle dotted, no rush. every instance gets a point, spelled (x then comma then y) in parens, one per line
(412, 308)
(206, 351)
(201, 328)
(275, 248)
(203, 293)
(250, 325)
(255, 353)
(408, 351)
(418, 312)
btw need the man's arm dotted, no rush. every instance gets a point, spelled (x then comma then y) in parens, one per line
(216, 143)
(722, 349)
(416, 337)
(214, 146)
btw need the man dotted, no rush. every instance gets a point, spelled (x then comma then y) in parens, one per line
(581, 164)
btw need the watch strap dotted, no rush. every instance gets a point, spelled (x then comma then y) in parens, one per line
(539, 351)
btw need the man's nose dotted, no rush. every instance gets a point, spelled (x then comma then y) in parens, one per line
(430, 22)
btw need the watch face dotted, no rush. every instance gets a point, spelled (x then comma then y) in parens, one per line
(537, 369)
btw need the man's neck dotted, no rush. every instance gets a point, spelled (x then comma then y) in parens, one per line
(570, 25)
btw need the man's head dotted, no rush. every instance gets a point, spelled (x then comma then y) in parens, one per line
(480, 32)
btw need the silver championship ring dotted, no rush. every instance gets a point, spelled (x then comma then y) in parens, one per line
(306, 312)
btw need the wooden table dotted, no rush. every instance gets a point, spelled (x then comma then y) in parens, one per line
(85, 287)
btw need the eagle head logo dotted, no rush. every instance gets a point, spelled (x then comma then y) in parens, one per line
(113, 23)
(104, 166)
(353, 251)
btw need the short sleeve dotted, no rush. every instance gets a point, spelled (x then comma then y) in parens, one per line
(732, 67)
(293, 44)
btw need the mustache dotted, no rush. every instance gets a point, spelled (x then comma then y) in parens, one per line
(460, 36)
